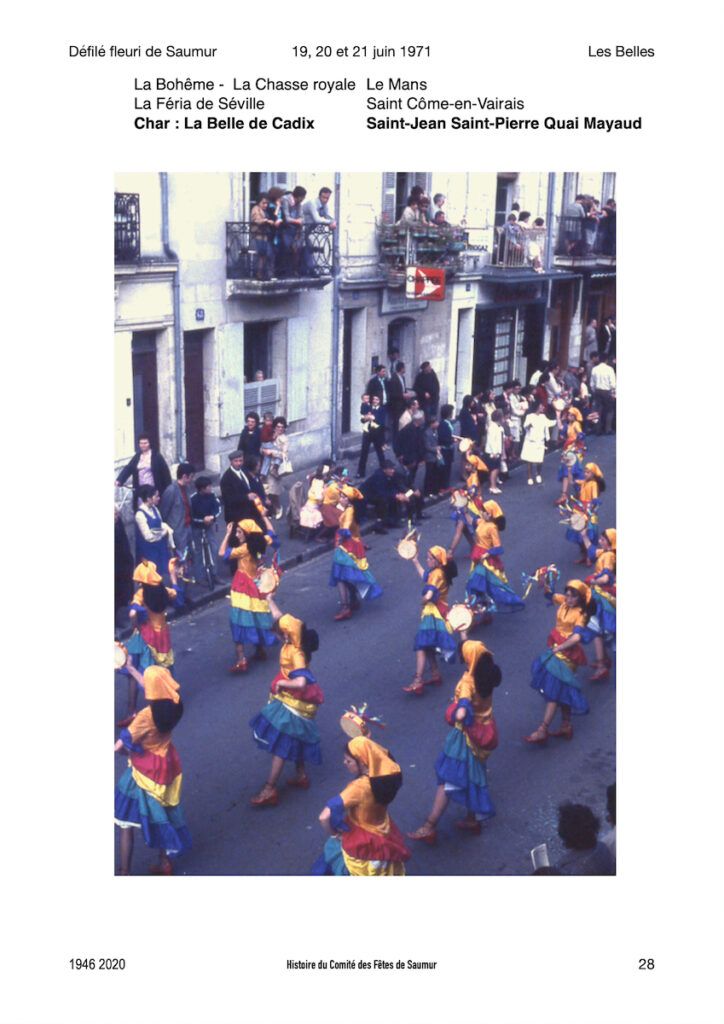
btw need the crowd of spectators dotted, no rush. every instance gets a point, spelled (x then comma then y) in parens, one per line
(282, 223)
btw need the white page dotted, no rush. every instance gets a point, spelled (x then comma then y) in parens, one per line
(505, 949)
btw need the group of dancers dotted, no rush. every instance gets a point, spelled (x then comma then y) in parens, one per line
(362, 838)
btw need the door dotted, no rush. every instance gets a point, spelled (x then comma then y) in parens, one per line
(145, 385)
(483, 350)
(194, 396)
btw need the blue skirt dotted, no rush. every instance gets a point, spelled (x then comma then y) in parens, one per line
(163, 828)
(331, 860)
(463, 776)
(555, 681)
(281, 732)
(346, 570)
(482, 583)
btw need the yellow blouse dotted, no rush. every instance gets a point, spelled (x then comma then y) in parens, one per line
(362, 808)
(568, 620)
(246, 562)
(486, 534)
(347, 521)
(605, 560)
(331, 494)
(156, 619)
(437, 578)
(588, 490)
(144, 732)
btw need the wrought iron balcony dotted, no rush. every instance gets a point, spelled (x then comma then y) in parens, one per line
(263, 260)
(127, 227)
(585, 242)
(456, 248)
(517, 246)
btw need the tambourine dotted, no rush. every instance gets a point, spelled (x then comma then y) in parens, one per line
(353, 725)
(407, 547)
(267, 581)
(459, 499)
(466, 443)
(569, 458)
(120, 656)
(559, 404)
(578, 521)
(460, 618)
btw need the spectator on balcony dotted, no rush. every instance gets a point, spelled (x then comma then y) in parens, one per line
(438, 202)
(292, 233)
(531, 239)
(574, 216)
(316, 214)
(263, 229)
(250, 437)
(427, 388)
(147, 467)
(606, 238)
(412, 215)
(512, 242)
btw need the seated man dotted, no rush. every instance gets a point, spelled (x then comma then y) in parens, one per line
(388, 491)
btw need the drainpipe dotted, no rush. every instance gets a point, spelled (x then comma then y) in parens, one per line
(178, 353)
(336, 270)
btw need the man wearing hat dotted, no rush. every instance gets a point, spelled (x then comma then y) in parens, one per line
(237, 492)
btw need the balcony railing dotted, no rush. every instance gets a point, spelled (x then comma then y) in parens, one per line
(127, 227)
(257, 253)
(517, 246)
(453, 247)
(584, 240)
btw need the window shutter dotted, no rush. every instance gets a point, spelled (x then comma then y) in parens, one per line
(389, 182)
(230, 348)
(297, 367)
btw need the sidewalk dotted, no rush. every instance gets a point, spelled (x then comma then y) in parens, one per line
(294, 550)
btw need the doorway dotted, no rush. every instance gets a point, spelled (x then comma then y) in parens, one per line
(145, 385)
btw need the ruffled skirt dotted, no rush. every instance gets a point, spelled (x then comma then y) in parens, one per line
(492, 585)
(250, 617)
(279, 731)
(346, 569)
(163, 828)
(464, 776)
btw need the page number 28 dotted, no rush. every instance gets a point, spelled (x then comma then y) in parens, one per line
(646, 965)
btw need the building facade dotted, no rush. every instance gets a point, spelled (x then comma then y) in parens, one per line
(196, 325)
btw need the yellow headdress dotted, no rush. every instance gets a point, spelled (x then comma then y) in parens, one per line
(146, 573)
(493, 508)
(592, 467)
(351, 492)
(580, 588)
(249, 526)
(610, 536)
(292, 629)
(375, 757)
(159, 684)
(575, 413)
(439, 554)
(472, 651)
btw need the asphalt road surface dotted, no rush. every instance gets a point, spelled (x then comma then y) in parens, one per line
(369, 658)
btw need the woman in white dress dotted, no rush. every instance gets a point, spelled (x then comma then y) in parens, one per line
(536, 431)
(276, 465)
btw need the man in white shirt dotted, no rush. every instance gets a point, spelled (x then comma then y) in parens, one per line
(603, 386)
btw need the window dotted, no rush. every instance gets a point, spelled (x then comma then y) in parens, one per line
(396, 187)
(257, 350)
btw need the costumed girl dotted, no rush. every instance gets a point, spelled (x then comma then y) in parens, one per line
(475, 469)
(554, 672)
(364, 840)
(574, 448)
(602, 581)
(330, 510)
(487, 583)
(434, 633)
(465, 516)
(250, 617)
(150, 642)
(460, 768)
(587, 502)
(285, 728)
(350, 569)
(148, 794)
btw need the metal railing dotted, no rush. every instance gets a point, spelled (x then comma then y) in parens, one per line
(585, 238)
(127, 227)
(517, 246)
(445, 245)
(259, 253)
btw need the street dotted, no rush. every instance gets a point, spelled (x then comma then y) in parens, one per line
(370, 658)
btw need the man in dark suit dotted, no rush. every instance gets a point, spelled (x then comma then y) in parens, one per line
(411, 446)
(387, 489)
(607, 338)
(236, 491)
(377, 385)
(427, 389)
(396, 393)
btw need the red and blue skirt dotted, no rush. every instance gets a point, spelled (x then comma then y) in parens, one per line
(349, 565)
(148, 796)
(250, 617)
(359, 852)
(464, 776)
(554, 675)
(288, 730)
(434, 633)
